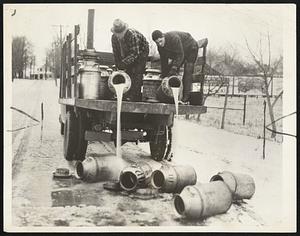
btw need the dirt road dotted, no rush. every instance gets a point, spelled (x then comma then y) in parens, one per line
(40, 200)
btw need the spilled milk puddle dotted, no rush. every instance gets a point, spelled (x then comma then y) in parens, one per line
(68, 197)
(74, 192)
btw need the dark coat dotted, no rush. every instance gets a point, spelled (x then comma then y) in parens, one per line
(129, 49)
(177, 46)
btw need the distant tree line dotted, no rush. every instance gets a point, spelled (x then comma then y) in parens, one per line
(22, 56)
(227, 61)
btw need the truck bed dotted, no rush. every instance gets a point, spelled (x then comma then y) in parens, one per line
(132, 107)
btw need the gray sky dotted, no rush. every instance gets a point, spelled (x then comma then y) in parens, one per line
(221, 24)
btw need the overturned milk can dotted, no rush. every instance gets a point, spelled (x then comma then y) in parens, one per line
(172, 179)
(242, 186)
(99, 168)
(165, 92)
(137, 175)
(119, 77)
(203, 200)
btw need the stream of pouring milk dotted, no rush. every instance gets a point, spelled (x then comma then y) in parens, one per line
(175, 126)
(119, 92)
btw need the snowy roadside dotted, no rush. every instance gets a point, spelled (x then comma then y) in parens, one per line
(207, 149)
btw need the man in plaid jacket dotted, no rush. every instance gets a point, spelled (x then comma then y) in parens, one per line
(130, 49)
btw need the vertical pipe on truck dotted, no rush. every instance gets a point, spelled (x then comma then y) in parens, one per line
(90, 29)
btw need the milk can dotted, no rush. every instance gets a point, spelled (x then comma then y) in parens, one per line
(165, 92)
(203, 200)
(242, 186)
(93, 80)
(119, 77)
(138, 174)
(151, 83)
(172, 179)
(99, 168)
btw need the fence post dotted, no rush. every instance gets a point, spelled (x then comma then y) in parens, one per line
(42, 120)
(233, 86)
(244, 115)
(264, 141)
(224, 109)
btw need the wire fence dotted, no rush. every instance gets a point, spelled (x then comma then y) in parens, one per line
(277, 132)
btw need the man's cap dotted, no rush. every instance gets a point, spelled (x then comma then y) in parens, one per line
(156, 34)
(118, 26)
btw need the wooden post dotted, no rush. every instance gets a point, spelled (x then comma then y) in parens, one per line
(90, 29)
(244, 114)
(225, 105)
(233, 86)
(264, 131)
(64, 69)
(69, 83)
(61, 73)
(202, 74)
(42, 121)
(76, 31)
(42, 111)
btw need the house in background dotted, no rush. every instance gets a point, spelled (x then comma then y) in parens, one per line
(41, 73)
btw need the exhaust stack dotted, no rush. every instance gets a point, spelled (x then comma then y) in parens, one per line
(90, 29)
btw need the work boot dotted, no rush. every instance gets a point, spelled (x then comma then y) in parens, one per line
(187, 81)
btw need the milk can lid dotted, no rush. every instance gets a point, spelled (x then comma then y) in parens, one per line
(150, 70)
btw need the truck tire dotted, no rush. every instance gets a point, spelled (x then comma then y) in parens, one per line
(162, 148)
(81, 146)
(70, 136)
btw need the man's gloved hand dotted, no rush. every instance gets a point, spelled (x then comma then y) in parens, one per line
(121, 66)
(173, 71)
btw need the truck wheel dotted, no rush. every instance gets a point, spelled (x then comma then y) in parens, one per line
(161, 149)
(70, 136)
(81, 146)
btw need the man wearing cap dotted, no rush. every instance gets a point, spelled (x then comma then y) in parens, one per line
(130, 49)
(181, 48)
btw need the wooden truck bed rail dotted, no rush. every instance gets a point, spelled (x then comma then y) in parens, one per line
(133, 107)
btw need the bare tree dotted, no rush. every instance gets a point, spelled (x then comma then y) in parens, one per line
(214, 66)
(268, 70)
(22, 51)
(53, 57)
